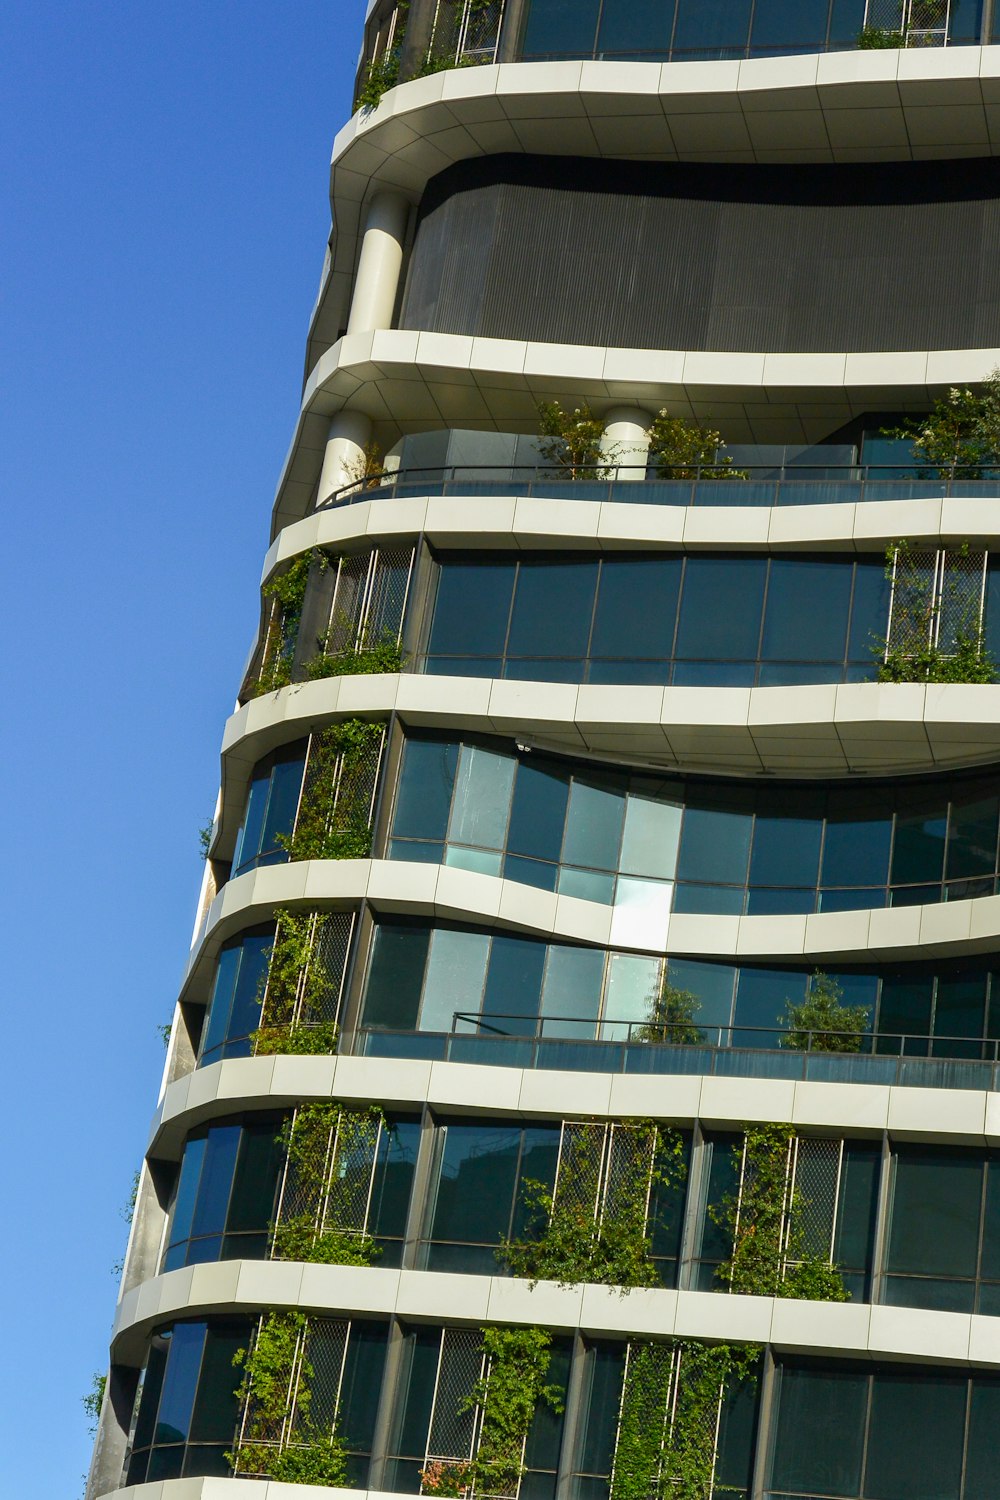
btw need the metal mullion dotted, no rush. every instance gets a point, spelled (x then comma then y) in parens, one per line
(293, 1386)
(366, 600)
(303, 979)
(739, 1197)
(982, 1225)
(893, 583)
(348, 1325)
(767, 580)
(371, 1176)
(791, 1171)
(982, 592)
(836, 1201)
(937, 595)
(406, 594)
(883, 1212)
(333, 603)
(329, 1164)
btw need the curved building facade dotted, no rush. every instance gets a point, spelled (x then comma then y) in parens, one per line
(584, 1083)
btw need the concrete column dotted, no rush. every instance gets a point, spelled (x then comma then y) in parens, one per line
(626, 432)
(349, 433)
(379, 264)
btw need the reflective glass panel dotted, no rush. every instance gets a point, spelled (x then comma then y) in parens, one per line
(712, 28)
(425, 787)
(395, 978)
(915, 1436)
(456, 968)
(472, 608)
(936, 1207)
(651, 837)
(721, 605)
(553, 604)
(805, 618)
(636, 607)
(819, 1440)
(594, 825)
(482, 798)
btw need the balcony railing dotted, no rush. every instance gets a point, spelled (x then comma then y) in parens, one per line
(570, 1043)
(764, 485)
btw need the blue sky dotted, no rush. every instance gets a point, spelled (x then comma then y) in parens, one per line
(165, 177)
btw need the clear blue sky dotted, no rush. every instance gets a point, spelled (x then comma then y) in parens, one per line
(164, 215)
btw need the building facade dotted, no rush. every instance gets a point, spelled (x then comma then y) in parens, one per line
(584, 1080)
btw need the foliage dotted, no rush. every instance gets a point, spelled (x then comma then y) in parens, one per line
(675, 1450)
(822, 1022)
(961, 435)
(93, 1401)
(205, 837)
(322, 1141)
(163, 1032)
(334, 817)
(287, 592)
(686, 450)
(916, 651)
(446, 1479)
(567, 1243)
(368, 469)
(508, 1395)
(381, 75)
(769, 1257)
(382, 655)
(293, 990)
(872, 38)
(572, 441)
(269, 1367)
(671, 1018)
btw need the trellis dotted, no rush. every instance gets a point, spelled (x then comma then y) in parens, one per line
(650, 1403)
(312, 998)
(338, 789)
(466, 31)
(306, 1407)
(936, 593)
(604, 1168)
(813, 1179)
(356, 602)
(328, 1181)
(921, 23)
(455, 1429)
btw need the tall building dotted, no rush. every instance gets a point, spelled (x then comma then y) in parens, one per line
(584, 1077)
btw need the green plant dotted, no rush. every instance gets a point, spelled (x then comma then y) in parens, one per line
(381, 75)
(671, 1018)
(334, 817)
(572, 441)
(566, 1241)
(872, 38)
(163, 1032)
(287, 592)
(669, 1417)
(686, 450)
(94, 1400)
(765, 1222)
(961, 435)
(918, 650)
(329, 1150)
(277, 1371)
(294, 990)
(822, 1022)
(367, 471)
(383, 655)
(508, 1396)
(205, 837)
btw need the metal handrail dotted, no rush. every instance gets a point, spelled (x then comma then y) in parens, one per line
(688, 484)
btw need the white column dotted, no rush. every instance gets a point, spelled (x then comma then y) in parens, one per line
(626, 431)
(349, 433)
(379, 264)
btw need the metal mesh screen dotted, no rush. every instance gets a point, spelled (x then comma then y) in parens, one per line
(356, 782)
(581, 1167)
(316, 1366)
(817, 1188)
(913, 607)
(885, 15)
(325, 1352)
(369, 599)
(259, 1428)
(962, 582)
(628, 1166)
(927, 23)
(347, 608)
(331, 947)
(355, 1156)
(452, 1432)
(467, 30)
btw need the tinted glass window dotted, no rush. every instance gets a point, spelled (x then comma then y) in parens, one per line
(819, 1442)
(396, 976)
(560, 26)
(636, 607)
(271, 807)
(807, 605)
(472, 608)
(712, 28)
(721, 608)
(553, 604)
(426, 780)
(234, 1009)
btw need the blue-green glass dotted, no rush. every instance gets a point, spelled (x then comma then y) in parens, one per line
(426, 779)
(560, 28)
(180, 1383)
(635, 27)
(361, 1385)
(905, 1005)
(255, 953)
(720, 613)
(990, 1261)
(456, 969)
(712, 28)
(856, 1207)
(786, 849)
(808, 599)
(715, 842)
(605, 1369)
(514, 983)
(538, 811)
(918, 846)
(915, 1436)
(184, 1201)
(395, 978)
(972, 838)
(216, 1409)
(394, 1178)
(869, 610)
(981, 1445)
(594, 825)
(553, 606)
(472, 608)
(636, 607)
(723, 1180)
(216, 1179)
(762, 997)
(960, 1004)
(856, 841)
(819, 1432)
(936, 1208)
(572, 989)
(481, 803)
(477, 1182)
(255, 1181)
(152, 1384)
(711, 983)
(787, 25)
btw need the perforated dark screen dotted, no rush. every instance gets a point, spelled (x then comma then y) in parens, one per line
(799, 258)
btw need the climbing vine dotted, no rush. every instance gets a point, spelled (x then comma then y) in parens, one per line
(383, 654)
(917, 649)
(293, 991)
(277, 1372)
(287, 592)
(568, 1242)
(669, 1417)
(330, 1153)
(334, 818)
(764, 1221)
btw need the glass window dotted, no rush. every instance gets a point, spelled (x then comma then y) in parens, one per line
(234, 1009)
(633, 985)
(981, 1451)
(455, 972)
(651, 837)
(572, 989)
(635, 27)
(721, 605)
(905, 1004)
(482, 798)
(792, 25)
(477, 1182)
(807, 599)
(539, 810)
(472, 608)
(560, 28)
(918, 847)
(713, 985)
(396, 975)
(870, 608)
(637, 607)
(936, 1207)
(271, 806)
(553, 605)
(915, 1436)
(786, 848)
(426, 779)
(514, 983)
(712, 28)
(856, 841)
(715, 842)
(594, 825)
(820, 1432)
(972, 838)
(762, 997)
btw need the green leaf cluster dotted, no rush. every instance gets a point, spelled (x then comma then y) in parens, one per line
(508, 1396)
(687, 450)
(873, 38)
(769, 1257)
(93, 1401)
(293, 991)
(567, 1242)
(320, 1142)
(269, 1365)
(572, 441)
(913, 654)
(383, 655)
(671, 1018)
(287, 592)
(961, 435)
(822, 1022)
(334, 818)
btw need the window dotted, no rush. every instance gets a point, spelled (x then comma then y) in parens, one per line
(235, 1004)
(272, 801)
(225, 1195)
(187, 1412)
(945, 1215)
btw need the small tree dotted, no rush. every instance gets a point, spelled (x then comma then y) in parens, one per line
(686, 450)
(822, 1022)
(572, 441)
(671, 1018)
(367, 471)
(961, 436)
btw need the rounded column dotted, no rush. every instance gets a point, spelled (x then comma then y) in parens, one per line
(350, 433)
(379, 264)
(625, 440)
